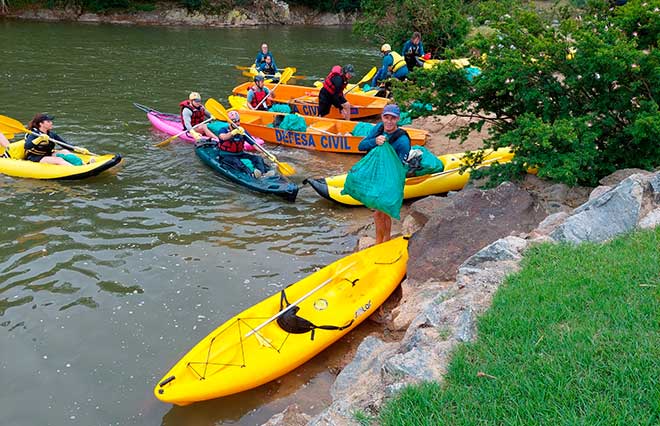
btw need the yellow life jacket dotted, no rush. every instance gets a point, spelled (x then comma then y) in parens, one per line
(397, 63)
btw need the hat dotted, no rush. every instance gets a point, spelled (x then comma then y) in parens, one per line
(386, 48)
(348, 69)
(258, 77)
(40, 118)
(194, 96)
(391, 109)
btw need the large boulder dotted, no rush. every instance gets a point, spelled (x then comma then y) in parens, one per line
(479, 218)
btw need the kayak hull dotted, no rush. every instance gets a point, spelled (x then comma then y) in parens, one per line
(275, 185)
(304, 100)
(18, 167)
(323, 134)
(438, 183)
(343, 293)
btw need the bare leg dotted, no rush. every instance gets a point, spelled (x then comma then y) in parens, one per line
(207, 132)
(55, 160)
(383, 226)
(346, 111)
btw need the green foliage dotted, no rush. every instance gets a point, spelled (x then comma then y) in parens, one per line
(441, 23)
(571, 339)
(578, 99)
(192, 5)
(330, 5)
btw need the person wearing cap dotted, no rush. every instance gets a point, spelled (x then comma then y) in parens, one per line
(412, 50)
(388, 131)
(332, 92)
(260, 62)
(193, 115)
(40, 142)
(232, 141)
(394, 65)
(257, 93)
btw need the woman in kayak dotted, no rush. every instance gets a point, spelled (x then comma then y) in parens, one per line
(40, 143)
(232, 143)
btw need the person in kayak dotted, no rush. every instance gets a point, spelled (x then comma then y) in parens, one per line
(332, 92)
(393, 66)
(260, 61)
(257, 93)
(193, 114)
(268, 68)
(40, 143)
(387, 131)
(412, 50)
(231, 143)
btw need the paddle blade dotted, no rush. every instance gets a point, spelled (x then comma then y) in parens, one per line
(10, 125)
(240, 68)
(166, 141)
(286, 169)
(368, 76)
(216, 109)
(237, 102)
(286, 75)
(8, 135)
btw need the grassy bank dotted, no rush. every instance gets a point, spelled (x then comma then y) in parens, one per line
(573, 338)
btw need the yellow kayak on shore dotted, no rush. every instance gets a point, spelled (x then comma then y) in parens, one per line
(17, 166)
(274, 337)
(437, 183)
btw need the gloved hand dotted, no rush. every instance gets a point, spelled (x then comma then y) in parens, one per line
(195, 135)
(40, 139)
(238, 131)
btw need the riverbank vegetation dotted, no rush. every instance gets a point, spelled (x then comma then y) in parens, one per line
(575, 92)
(573, 338)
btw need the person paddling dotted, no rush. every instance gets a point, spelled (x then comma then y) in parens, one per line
(257, 93)
(260, 61)
(332, 92)
(193, 113)
(40, 143)
(232, 143)
(387, 132)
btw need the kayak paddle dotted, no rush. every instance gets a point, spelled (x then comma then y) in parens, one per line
(286, 75)
(9, 125)
(171, 138)
(217, 108)
(368, 76)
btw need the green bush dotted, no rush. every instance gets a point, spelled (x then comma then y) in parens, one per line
(578, 99)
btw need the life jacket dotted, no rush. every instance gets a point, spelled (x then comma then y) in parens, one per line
(267, 68)
(398, 62)
(198, 114)
(234, 144)
(259, 94)
(43, 149)
(394, 136)
(327, 83)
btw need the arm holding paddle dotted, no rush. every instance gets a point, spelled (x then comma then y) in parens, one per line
(286, 75)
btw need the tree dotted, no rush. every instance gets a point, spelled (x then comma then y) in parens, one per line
(577, 99)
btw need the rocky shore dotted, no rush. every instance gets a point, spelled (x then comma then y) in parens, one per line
(462, 248)
(269, 12)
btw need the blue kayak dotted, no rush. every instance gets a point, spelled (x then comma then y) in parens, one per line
(276, 185)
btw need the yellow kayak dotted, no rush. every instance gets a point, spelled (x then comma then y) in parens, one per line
(437, 183)
(16, 166)
(252, 72)
(253, 348)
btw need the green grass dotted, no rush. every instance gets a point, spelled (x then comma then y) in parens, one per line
(572, 339)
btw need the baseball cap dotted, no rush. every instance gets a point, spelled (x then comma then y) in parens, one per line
(194, 96)
(348, 69)
(392, 109)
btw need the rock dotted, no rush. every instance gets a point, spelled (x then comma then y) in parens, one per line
(480, 218)
(598, 191)
(548, 225)
(612, 213)
(651, 220)
(427, 207)
(617, 177)
(291, 416)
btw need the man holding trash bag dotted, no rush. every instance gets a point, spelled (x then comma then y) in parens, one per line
(378, 179)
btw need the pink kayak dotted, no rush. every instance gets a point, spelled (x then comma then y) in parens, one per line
(171, 124)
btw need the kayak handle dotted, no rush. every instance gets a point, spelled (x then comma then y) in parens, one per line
(166, 381)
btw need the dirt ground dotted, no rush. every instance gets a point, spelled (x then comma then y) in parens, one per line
(439, 126)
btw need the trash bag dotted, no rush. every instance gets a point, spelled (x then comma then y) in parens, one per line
(217, 126)
(421, 162)
(362, 129)
(405, 118)
(293, 122)
(283, 108)
(377, 180)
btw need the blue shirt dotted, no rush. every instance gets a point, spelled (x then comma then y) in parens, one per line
(260, 61)
(409, 49)
(401, 145)
(383, 73)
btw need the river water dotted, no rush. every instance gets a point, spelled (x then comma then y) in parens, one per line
(106, 282)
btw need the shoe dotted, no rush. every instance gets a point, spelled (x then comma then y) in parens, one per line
(257, 173)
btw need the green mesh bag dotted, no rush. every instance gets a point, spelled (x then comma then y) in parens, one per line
(362, 129)
(216, 126)
(293, 122)
(426, 163)
(377, 181)
(283, 108)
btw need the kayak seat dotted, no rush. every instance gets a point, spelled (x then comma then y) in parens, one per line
(290, 322)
